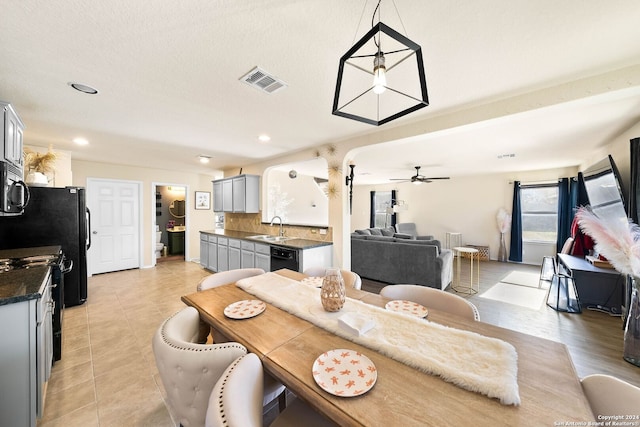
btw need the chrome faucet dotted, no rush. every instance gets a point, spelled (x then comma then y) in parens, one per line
(281, 229)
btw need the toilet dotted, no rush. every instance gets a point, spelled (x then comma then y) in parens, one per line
(159, 244)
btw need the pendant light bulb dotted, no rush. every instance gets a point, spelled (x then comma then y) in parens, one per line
(379, 74)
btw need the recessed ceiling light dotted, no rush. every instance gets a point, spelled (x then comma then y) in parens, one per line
(81, 141)
(203, 158)
(83, 88)
(264, 138)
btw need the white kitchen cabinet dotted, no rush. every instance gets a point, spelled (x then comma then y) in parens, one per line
(263, 256)
(234, 254)
(247, 254)
(237, 194)
(320, 256)
(13, 129)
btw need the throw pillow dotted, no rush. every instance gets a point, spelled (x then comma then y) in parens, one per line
(375, 231)
(389, 231)
(363, 232)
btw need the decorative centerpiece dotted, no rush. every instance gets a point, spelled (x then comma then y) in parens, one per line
(619, 242)
(504, 225)
(332, 293)
(38, 165)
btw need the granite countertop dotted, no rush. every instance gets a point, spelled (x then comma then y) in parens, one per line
(21, 284)
(294, 243)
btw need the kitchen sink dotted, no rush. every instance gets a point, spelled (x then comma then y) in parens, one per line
(270, 238)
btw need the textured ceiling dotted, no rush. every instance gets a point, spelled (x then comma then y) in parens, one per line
(168, 75)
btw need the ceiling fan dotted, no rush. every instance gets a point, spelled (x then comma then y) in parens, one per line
(418, 179)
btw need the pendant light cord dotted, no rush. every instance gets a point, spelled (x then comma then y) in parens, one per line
(359, 22)
(400, 17)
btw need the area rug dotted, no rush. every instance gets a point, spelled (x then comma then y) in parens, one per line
(524, 296)
(523, 279)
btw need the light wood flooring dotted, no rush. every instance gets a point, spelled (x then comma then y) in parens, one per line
(108, 377)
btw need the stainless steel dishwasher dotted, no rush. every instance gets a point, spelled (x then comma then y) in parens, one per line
(284, 258)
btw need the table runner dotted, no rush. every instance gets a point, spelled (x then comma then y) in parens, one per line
(469, 360)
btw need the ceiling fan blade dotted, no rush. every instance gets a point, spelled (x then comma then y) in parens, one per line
(437, 177)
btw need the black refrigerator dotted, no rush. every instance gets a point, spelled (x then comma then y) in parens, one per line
(54, 216)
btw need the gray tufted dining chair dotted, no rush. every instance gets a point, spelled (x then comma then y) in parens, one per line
(189, 370)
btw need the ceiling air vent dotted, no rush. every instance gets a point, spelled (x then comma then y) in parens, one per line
(263, 81)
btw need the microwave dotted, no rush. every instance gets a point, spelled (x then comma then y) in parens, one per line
(14, 194)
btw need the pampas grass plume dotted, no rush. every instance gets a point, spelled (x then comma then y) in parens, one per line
(617, 240)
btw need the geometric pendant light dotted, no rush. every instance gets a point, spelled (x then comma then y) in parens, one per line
(381, 78)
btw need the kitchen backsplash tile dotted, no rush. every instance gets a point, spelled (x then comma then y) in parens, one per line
(252, 223)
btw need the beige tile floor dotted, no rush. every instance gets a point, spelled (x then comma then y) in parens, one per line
(107, 375)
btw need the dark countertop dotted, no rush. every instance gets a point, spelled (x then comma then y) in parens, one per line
(294, 243)
(27, 252)
(21, 284)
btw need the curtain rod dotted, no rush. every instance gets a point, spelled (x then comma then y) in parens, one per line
(547, 181)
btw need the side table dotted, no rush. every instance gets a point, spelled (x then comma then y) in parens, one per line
(463, 288)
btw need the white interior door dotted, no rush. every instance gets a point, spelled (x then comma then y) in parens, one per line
(115, 225)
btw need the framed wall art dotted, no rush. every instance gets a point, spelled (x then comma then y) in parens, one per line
(203, 200)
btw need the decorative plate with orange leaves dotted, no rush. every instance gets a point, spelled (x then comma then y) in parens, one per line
(244, 309)
(345, 373)
(407, 307)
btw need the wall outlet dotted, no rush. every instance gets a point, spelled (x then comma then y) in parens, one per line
(323, 231)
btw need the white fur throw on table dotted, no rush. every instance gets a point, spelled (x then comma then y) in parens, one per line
(469, 360)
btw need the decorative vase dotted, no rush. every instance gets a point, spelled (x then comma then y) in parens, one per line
(631, 351)
(332, 293)
(502, 252)
(37, 179)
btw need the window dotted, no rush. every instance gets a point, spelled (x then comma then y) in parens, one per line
(539, 205)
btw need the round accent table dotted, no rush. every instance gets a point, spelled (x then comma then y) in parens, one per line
(459, 286)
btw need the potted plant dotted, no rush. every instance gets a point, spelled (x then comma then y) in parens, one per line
(38, 165)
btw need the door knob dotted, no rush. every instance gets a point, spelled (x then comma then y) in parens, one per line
(95, 232)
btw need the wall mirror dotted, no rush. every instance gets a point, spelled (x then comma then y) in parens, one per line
(297, 192)
(176, 208)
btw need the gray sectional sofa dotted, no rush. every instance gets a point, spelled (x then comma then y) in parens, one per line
(378, 254)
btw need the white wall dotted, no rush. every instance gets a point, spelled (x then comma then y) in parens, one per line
(301, 199)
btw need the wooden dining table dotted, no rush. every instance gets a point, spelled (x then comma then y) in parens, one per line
(550, 390)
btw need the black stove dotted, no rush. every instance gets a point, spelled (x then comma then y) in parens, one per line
(43, 256)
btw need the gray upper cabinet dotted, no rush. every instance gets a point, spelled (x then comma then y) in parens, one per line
(13, 129)
(217, 196)
(237, 194)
